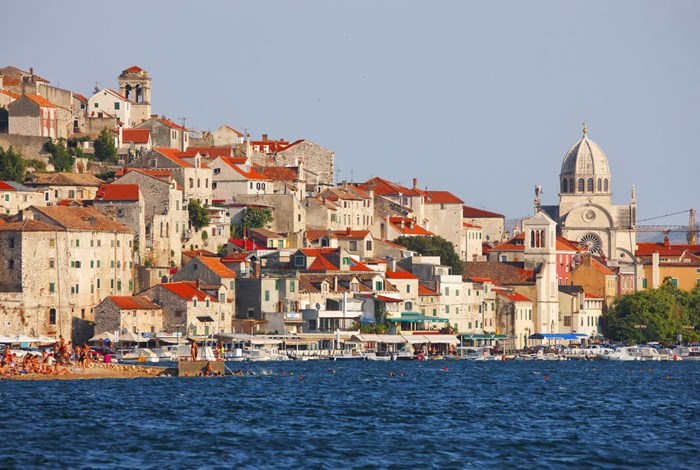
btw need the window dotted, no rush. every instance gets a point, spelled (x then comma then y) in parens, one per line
(206, 303)
(346, 261)
(232, 284)
(378, 285)
(97, 105)
(674, 282)
(447, 291)
(581, 185)
(98, 283)
(267, 296)
(600, 185)
(408, 306)
(408, 288)
(116, 105)
(52, 242)
(52, 263)
(194, 302)
(291, 286)
(52, 287)
(298, 261)
(605, 185)
(353, 245)
(52, 316)
(590, 185)
(368, 245)
(447, 309)
(564, 185)
(644, 283)
(77, 243)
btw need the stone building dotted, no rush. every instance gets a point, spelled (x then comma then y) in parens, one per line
(317, 160)
(514, 316)
(492, 224)
(340, 208)
(33, 115)
(188, 308)
(135, 86)
(210, 271)
(107, 101)
(234, 177)
(56, 264)
(165, 133)
(165, 215)
(188, 169)
(60, 186)
(125, 204)
(15, 197)
(268, 303)
(595, 278)
(226, 135)
(135, 314)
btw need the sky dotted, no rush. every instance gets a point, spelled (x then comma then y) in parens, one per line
(482, 99)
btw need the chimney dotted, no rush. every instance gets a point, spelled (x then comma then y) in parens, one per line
(197, 283)
(264, 137)
(415, 183)
(390, 263)
(31, 70)
(666, 242)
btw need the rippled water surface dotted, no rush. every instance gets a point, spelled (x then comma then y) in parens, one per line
(478, 415)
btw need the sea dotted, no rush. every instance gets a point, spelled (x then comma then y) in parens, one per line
(364, 415)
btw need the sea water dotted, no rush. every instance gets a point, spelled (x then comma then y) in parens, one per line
(322, 414)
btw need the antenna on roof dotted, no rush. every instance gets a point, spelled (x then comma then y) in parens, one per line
(97, 87)
(337, 174)
(183, 120)
(352, 176)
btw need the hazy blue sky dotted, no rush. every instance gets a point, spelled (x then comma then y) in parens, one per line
(479, 98)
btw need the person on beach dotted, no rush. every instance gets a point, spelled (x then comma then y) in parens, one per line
(194, 350)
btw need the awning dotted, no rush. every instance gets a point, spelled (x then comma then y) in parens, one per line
(558, 336)
(482, 336)
(433, 339)
(409, 317)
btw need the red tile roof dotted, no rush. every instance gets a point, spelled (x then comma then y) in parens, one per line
(319, 251)
(133, 302)
(81, 218)
(400, 275)
(195, 253)
(41, 101)
(382, 187)
(235, 257)
(349, 234)
(216, 266)
(278, 173)
(187, 290)
(6, 187)
(442, 197)
(240, 134)
(321, 263)
(468, 225)
(648, 249)
(246, 244)
(212, 152)
(500, 273)
(164, 175)
(514, 296)
(117, 94)
(409, 226)
(14, 96)
(118, 192)
(234, 163)
(474, 213)
(567, 245)
(172, 125)
(175, 156)
(137, 136)
(423, 290)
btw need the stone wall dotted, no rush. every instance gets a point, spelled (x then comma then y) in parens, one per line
(31, 147)
(315, 158)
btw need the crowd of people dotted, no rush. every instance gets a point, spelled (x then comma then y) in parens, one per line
(55, 361)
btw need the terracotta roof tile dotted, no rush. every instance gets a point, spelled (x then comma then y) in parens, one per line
(321, 263)
(423, 290)
(81, 218)
(64, 179)
(474, 213)
(514, 296)
(212, 152)
(216, 266)
(41, 101)
(400, 275)
(442, 197)
(501, 273)
(187, 290)
(118, 192)
(137, 136)
(409, 226)
(133, 302)
(278, 173)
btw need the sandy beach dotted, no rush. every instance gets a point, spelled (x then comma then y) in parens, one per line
(100, 371)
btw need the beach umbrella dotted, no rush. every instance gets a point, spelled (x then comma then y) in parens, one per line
(130, 337)
(23, 339)
(103, 336)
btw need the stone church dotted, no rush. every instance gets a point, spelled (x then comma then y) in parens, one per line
(586, 213)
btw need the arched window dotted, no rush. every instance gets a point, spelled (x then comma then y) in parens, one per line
(581, 186)
(542, 239)
(532, 239)
(600, 185)
(571, 185)
(564, 185)
(605, 185)
(537, 238)
(590, 185)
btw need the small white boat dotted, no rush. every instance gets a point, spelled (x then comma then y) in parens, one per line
(264, 355)
(350, 355)
(476, 353)
(632, 353)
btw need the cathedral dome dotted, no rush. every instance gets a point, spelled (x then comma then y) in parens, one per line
(585, 158)
(585, 168)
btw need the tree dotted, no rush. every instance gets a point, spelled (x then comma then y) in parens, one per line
(12, 166)
(105, 151)
(253, 217)
(655, 315)
(198, 214)
(60, 158)
(434, 246)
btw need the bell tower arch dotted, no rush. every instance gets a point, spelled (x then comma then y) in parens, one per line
(135, 85)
